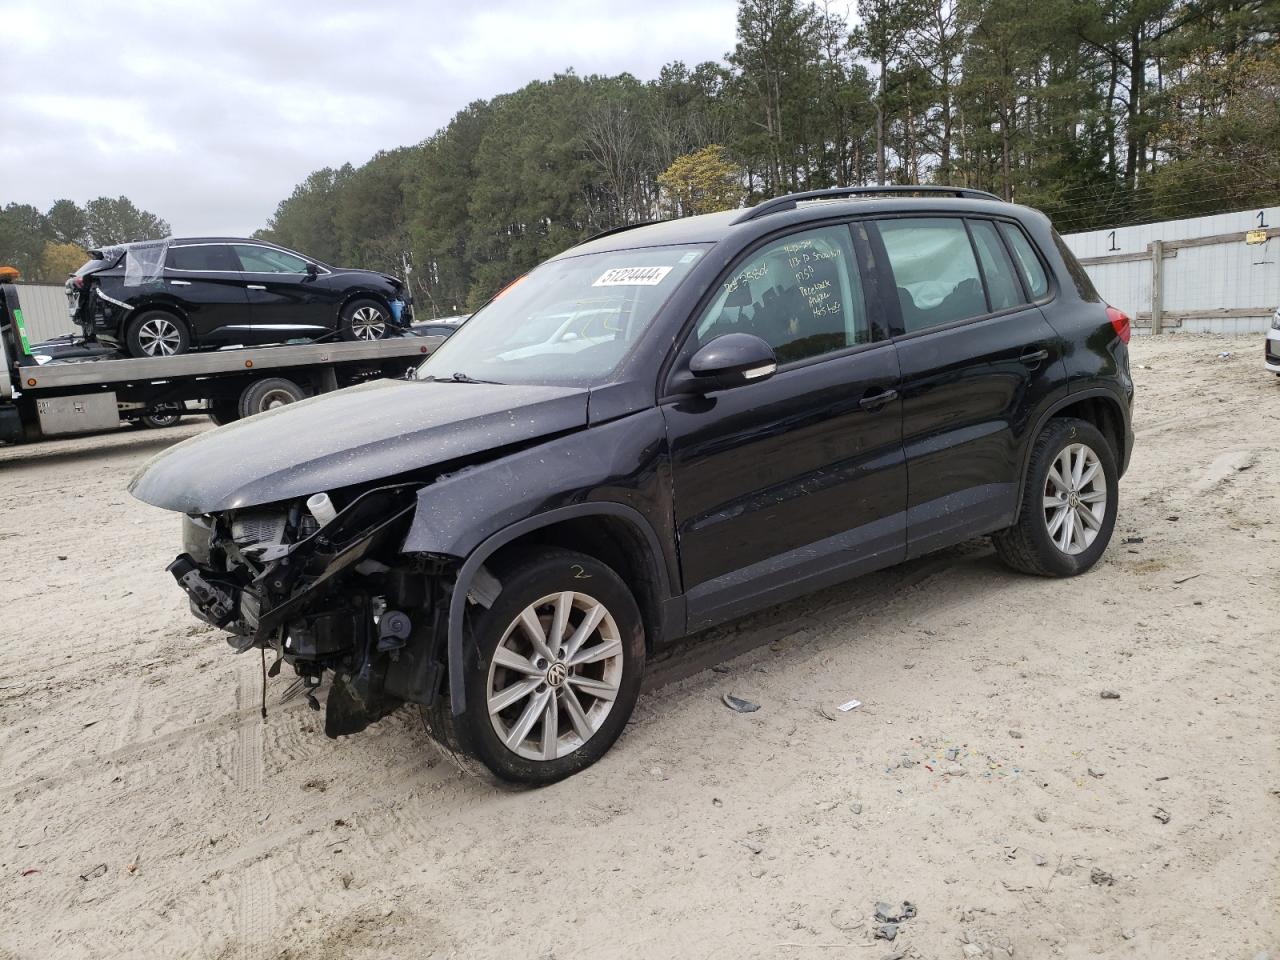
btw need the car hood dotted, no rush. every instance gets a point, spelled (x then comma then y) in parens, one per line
(382, 429)
(359, 274)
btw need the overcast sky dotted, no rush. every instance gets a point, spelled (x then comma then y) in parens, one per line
(208, 113)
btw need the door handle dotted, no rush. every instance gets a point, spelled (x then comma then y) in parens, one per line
(875, 401)
(181, 283)
(256, 286)
(1033, 358)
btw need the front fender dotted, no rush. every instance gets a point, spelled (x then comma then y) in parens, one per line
(618, 469)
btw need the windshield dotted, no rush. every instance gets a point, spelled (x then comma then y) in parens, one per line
(568, 322)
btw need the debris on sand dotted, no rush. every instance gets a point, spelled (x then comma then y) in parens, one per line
(891, 913)
(739, 705)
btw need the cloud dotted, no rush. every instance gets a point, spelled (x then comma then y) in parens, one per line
(209, 114)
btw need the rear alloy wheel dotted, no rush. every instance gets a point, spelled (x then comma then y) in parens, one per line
(1068, 504)
(365, 320)
(1075, 499)
(157, 334)
(559, 660)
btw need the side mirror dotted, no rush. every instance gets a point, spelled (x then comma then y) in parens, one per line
(312, 270)
(730, 360)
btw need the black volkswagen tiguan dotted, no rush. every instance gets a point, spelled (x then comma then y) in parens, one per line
(662, 429)
(165, 297)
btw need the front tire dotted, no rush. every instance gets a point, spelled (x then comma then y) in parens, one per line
(364, 320)
(157, 333)
(554, 672)
(1069, 502)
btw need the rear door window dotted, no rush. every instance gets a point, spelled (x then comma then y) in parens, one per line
(1029, 264)
(934, 270)
(802, 294)
(1003, 289)
(204, 257)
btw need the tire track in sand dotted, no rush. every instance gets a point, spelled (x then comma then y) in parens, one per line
(255, 910)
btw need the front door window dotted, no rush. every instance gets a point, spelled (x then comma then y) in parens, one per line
(801, 294)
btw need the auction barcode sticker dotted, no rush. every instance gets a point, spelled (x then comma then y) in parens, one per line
(632, 277)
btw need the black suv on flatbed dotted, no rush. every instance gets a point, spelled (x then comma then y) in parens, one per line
(159, 298)
(656, 431)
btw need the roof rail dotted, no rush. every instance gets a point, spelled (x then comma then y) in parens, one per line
(793, 200)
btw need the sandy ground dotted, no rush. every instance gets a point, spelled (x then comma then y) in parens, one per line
(149, 812)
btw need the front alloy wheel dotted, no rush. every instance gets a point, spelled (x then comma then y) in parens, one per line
(553, 670)
(554, 676)
(364, 320)
(367, 323)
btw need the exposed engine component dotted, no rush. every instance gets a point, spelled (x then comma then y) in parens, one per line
(320, 584)
(207, 597)
(259, 527)
(393, 630)
(321, 508)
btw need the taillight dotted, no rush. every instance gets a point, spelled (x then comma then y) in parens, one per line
(1120, 321)
(78, 282)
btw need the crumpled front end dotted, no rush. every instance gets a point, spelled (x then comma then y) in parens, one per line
(325, 588)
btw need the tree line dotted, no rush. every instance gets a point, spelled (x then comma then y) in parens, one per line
(1099, 112)
(47, 246)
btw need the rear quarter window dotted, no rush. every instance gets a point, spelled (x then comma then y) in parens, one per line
(1029, 265)
(204, 256)
(1084, 286)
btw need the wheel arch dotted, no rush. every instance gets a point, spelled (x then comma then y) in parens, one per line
(587, 528)
(362, 293)
(164, 306)
(1098, 406)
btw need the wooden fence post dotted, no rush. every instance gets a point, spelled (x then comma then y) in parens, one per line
(1157, 286)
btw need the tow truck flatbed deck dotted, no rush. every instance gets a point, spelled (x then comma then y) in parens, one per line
(279, 357)
(84, 395)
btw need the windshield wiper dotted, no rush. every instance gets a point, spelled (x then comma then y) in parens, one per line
(463, 378)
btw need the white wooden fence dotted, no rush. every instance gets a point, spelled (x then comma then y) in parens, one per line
(1218, 274)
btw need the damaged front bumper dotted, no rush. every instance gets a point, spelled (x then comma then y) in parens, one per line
(335, 597)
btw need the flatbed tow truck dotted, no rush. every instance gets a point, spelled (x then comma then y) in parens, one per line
(60, 398)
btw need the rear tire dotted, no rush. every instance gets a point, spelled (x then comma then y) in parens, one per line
(157, 333)
(365, 320)
(575, 703)
(1068, 514)
(268, 394)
